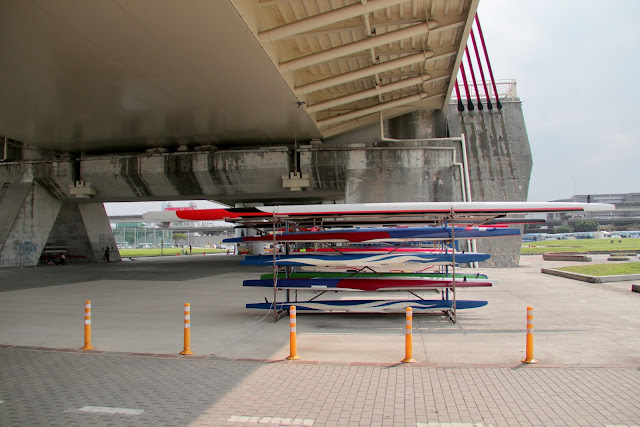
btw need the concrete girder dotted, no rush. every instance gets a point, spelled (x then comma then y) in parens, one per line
(378, 90)
(388, 105)
(174, 176)
(363, 72)
(327, 18)
(350, 48)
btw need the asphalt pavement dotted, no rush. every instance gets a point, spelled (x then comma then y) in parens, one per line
(467, 373)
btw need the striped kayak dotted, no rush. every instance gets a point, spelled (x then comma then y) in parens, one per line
(384, 234)
(356, 275)
(369, 306)
(351, 260)
(378, 284)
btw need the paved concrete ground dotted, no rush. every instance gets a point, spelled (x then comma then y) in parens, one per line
(586, 340)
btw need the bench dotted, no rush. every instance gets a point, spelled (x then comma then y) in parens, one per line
(54, 254)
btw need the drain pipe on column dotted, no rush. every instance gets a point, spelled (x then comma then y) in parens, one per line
(464, 166)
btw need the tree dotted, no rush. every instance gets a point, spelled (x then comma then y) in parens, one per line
(563, 229)
(586, 225)
(179, 236)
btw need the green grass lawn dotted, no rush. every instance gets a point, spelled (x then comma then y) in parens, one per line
(166, 252)
(605, 269)
(579, 245)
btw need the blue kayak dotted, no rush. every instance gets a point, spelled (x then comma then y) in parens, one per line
(384, 234)
(366, 305)
(350, 260)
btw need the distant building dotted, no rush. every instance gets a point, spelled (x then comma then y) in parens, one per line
(627, 209)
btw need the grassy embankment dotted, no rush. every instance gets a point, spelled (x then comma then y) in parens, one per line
(586, 245)
(580, 246)
(166, 252)
(605, 269)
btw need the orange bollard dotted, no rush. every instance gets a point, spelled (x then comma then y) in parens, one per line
(187, 329)
(529, 352)
(293, 343)
(87, 326)
(408, 342)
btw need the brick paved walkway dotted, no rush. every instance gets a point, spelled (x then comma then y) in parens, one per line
(39, 387)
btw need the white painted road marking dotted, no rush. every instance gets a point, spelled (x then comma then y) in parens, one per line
(110, 410)
(449, 425)
(272, 420)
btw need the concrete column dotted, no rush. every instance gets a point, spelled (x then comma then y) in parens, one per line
(33, 220)
(28, 214)
(257, 248)
(83, 230)
(499, 166)
(402, 172)
(98, 229)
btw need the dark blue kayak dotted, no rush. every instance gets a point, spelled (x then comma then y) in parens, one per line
(370, 305)
(368, 284)
(384, 234)
(349, 260)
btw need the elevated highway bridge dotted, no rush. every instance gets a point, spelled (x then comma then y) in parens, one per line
(237, 101)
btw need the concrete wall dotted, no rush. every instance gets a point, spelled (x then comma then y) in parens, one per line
(500, 164)
(385, 171)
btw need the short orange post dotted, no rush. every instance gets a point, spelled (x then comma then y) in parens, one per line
(408, 343)
(187, 329)
(529, 352)
(293, 343)
(87, 326)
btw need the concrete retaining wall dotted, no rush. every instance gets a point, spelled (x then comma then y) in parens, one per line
(591, 279)
(500, 165)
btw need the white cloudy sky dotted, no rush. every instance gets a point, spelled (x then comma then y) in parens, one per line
(576, 63)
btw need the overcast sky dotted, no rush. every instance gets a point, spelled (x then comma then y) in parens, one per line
(576, 65)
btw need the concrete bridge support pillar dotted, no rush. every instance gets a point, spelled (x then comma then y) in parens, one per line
(402, 172)
(499, 166)
(33, 219)
(84, 230)
(256, 248)
(28, 214)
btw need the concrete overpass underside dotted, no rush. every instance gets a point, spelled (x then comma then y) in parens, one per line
(263, 101)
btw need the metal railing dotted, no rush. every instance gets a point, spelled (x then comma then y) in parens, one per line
(506, 91)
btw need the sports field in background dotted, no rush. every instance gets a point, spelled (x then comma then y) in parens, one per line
(167, 252)
(580, 245)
